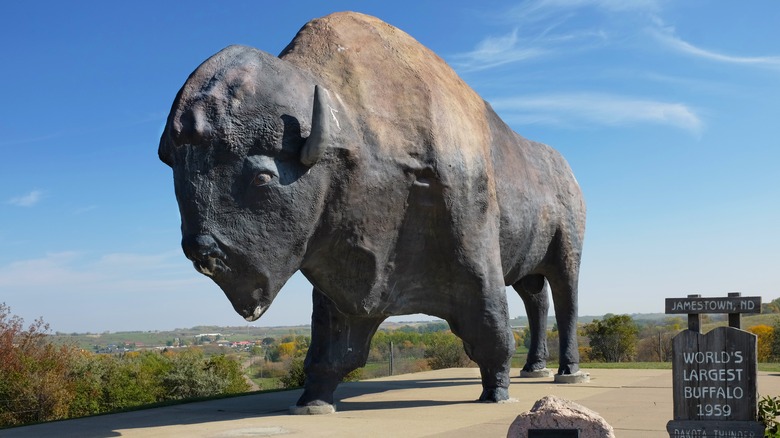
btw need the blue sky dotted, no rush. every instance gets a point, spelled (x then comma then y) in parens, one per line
(666, 111)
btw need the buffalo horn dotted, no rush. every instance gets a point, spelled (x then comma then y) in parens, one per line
(318, 140)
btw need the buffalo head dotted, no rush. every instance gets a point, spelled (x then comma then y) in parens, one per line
(244, 138)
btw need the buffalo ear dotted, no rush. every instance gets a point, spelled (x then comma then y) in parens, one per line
(321, 127)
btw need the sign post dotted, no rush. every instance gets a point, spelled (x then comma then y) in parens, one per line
(714, 374)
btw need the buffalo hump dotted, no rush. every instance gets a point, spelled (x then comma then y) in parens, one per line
(408, 97)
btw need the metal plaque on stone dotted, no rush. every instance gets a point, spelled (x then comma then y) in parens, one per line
(553, 433)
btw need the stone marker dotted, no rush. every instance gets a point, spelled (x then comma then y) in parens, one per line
(553, 413)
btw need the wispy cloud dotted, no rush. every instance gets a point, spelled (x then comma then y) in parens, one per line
(546, 28)
(495, 51)
(82, 210)
(559, 27)
(544, 8)
(27, 200)
(600, 109)
(667, 36)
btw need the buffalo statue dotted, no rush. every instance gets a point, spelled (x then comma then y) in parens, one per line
(360, 158)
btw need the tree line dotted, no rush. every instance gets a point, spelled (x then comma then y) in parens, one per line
(41, 381)
(279, 362)
(619, 338)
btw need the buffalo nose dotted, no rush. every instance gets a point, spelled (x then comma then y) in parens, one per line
(204, 252)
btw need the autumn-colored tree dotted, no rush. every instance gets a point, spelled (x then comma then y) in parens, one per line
(655, 347)
(518, 337)
(765, 335)
(613, 339)
(33, 372)
(41, 381)
(287, 350)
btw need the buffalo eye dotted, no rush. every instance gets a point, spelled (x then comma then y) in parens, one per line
(262, 178)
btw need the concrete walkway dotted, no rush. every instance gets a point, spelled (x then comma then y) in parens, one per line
(637, 403)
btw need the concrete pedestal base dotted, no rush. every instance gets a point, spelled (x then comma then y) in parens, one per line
(536, 374)
(578, 377)
(313, 410)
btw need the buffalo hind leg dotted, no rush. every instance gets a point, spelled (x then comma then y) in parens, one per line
(488, 341)
(531, 289)
(562, 275)
(339, 344)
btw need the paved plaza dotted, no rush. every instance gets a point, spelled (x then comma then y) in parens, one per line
(637, 403)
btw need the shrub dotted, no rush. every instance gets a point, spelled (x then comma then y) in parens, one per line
(228, 372)
(768, 411)
(295, 376)
(765, 336)
(40, 381)
(445, 350)
(33, 384)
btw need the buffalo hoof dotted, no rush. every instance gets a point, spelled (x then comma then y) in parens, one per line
(494, 395)
(571, 368)
(578, 377)
(313, 409)
(536, 374)
(535, 366)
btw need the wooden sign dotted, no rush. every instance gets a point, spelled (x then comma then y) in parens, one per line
(713, 305)
(715, 429)
(715, 375)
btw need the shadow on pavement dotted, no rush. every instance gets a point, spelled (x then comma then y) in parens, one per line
(241, 407)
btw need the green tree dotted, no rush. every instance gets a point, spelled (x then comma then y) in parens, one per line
(295, 376)
(273, 354)
(527, 338)
(433, 327)
(445, 350)
(228, 372)
(189, 376)
(776, 340)
(86, 374)
(118, 385)
(771, 307)
(614, 339)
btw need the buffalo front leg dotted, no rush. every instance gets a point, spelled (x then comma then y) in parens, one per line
(339, 344)
(531, 289)
(488, 341)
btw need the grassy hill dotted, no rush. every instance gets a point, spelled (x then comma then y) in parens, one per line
(747, 321)
(188, 336)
